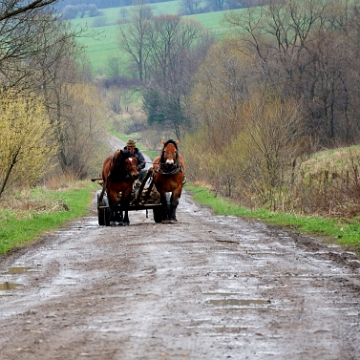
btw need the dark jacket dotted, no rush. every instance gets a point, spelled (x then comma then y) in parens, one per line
(140, 158)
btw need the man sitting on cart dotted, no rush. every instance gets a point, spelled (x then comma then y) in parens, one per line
(131, 148)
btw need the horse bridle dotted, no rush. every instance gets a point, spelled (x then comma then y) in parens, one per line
(128, 170)
(163, 171)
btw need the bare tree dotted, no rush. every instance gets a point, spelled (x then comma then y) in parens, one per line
(20, 44)
(216, 5)
(308, 49)
(10, 9)
(133, 37)
(221, 85)
(39, 53)
(60, 67)
(177, 49)
(189, 7)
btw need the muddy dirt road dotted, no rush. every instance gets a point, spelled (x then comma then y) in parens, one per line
(208, 287)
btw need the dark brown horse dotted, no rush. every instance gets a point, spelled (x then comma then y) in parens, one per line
(169, 168)
(118, 174)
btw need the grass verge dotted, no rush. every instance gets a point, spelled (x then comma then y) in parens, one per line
(42, 211)
(345, 232)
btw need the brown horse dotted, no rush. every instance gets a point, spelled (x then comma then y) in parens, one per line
(169, 168)
(119, 173)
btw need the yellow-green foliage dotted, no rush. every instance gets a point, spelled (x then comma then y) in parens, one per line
(215, 99)
(25, 131)
(85, 129)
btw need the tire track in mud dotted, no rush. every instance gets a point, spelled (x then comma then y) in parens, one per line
(208, 287)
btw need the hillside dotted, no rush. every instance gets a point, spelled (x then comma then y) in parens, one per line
(99, 4)
(101, 36)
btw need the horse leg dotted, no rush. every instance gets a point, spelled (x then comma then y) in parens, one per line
(112, 206)
(164, 206)
(173, 205)
(125, 200)
(118, 213)
(119, 216)
(168, 207)
(174, 202)
(115, 215)
(126, 220)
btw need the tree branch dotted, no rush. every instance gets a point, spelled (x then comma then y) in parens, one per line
(11, 11)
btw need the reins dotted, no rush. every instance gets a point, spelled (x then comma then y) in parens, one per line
(128, 171)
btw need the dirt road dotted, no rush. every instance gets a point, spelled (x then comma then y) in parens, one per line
(208, 287)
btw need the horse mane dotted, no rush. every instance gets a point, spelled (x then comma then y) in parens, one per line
(126, 154)
(171, 141)
(118, 163)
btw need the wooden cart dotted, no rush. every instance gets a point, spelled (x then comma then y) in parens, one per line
(143, 198)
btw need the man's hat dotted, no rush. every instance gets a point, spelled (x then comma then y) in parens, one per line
(131, 142)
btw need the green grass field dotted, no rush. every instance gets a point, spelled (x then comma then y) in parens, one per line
(42, 210)
(102, 47)
(101, 43)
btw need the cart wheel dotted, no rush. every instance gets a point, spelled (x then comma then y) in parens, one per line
(103, 212)
(157, 214)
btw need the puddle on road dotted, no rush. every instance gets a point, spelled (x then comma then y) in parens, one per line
(9, 286)
(18, 270)
(227, 299)
(238, 302)
(15, 270)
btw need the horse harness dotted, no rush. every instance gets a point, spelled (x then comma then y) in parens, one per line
(163, 171)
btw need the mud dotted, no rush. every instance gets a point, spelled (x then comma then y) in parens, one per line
(207, 287)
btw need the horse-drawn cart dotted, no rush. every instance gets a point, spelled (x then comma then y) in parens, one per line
(144, 197)
(118, 177)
